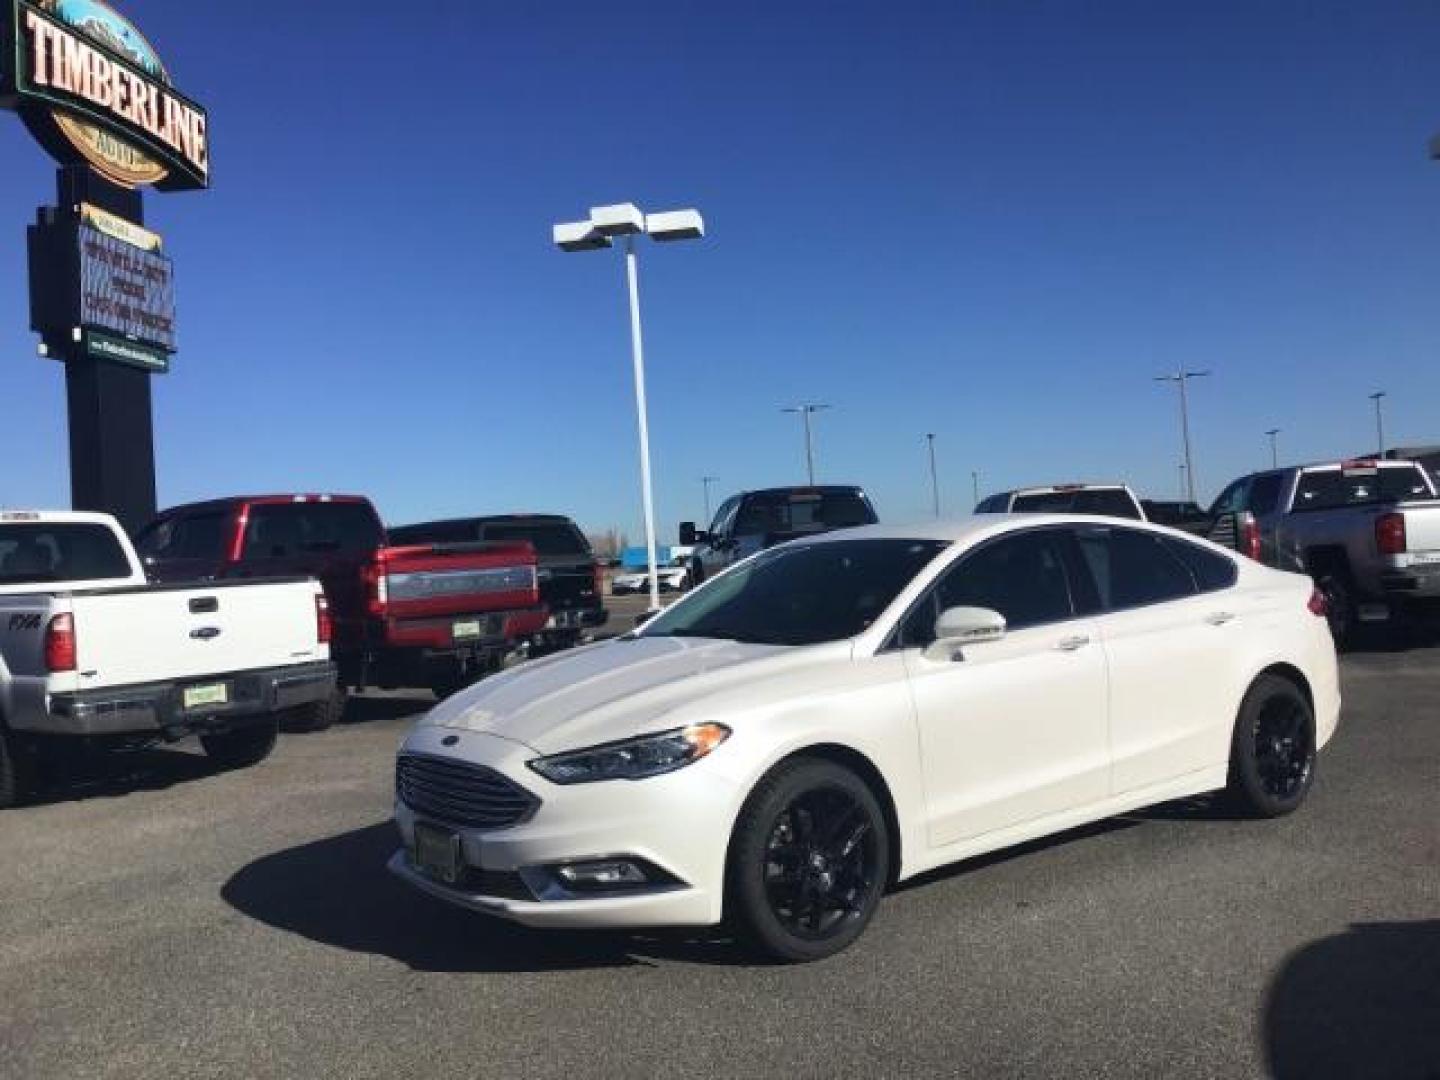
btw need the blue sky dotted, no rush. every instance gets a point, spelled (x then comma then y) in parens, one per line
(994, 221)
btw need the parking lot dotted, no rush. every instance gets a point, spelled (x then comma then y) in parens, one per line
(159, 920)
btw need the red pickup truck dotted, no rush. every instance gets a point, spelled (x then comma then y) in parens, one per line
(436, 615)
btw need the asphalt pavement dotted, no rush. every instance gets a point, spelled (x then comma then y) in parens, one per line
(159, 920)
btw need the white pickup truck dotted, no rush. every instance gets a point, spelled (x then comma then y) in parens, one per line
(90, 652)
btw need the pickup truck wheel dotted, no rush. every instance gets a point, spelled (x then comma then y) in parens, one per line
(13, 778)
(1272, 752)
(317, 715)
(1341, 612)
(241, 748)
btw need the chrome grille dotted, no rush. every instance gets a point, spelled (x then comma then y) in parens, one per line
(460, 793)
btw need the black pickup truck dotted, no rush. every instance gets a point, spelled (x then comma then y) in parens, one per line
(571, 578)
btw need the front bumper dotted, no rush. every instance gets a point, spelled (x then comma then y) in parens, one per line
(159, 707)
(678, 823)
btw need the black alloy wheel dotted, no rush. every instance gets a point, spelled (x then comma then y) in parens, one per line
(1272, 753)
(809, 861)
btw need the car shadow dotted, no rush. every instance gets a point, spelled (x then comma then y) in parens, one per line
(362, 709)
(1362, 1003)
(113, 773)
(1400, 637)
(337, 892)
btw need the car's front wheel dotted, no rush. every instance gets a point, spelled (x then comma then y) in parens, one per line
(808, 861)
(1272, 753)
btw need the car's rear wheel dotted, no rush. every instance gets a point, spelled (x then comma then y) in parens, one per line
(1272, 754)
(1341, 610)
(808, 861)
(243, 747)
(13, 775)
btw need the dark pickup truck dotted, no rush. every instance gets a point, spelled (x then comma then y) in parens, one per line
(422, 614)
(755, 520)
(571, 578)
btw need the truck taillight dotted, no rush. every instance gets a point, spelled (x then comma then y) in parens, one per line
(1390, 534)
(377, 591)
(1249, 536)
(324, 626)
(1318, 604)
(60, 643)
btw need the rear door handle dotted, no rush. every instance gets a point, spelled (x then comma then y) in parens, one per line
(1219, 618)
(1070, 644)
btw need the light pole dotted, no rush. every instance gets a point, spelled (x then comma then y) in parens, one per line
(934, 477)
(626, 219)
(806, 409)
(975, 487)
(1274, 450)
(1377, 397)
(707, 481)
(1180, 378)
(1182, 481)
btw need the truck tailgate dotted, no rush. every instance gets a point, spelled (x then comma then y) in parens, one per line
(456, 579)
(163, 632)
(1422, 528)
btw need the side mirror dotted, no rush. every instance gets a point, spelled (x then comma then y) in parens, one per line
(960, 626)
(688, 535)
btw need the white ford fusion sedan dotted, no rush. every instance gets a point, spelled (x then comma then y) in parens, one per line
(846, 711)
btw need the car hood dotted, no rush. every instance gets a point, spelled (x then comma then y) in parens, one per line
(617, 689)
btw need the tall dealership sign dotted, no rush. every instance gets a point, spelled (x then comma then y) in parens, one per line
(93, 92)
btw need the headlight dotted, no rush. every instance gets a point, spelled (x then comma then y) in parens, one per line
(633, 759)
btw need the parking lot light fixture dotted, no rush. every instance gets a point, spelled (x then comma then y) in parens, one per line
(807, 409)
(975, 486)
(1378, 397)
(934, 476)
(706, 481)
(1181, 378)
(1274, 448)
(629, 221)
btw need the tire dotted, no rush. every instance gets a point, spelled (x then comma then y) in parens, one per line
(316, 715)
(14, 781)
(243, 747)
(1272, 752)
(808, 862)
(1341, 612)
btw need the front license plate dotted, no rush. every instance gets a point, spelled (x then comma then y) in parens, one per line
(465, 630)
(213, 694)
(437, 853)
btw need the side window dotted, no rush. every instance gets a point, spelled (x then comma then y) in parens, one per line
(724, 518)
(994, 504)
(1132, 569)
(1210, 569)
(1230, 500)
(1023, 577)
(1265, 494)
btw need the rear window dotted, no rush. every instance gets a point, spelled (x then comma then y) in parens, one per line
(547, 538)
(435, 532)
(803, 511)
(33, 554)
(281, 530)
(1110, 502)
(1333, 489)
(185, 536)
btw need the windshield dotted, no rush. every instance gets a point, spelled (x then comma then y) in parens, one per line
(802, 511)
(800, 595)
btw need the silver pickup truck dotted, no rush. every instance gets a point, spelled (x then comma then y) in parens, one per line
(1368, 531)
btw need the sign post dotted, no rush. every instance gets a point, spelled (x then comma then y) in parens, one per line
(93, 92)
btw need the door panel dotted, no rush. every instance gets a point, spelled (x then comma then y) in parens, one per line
(1013, 732)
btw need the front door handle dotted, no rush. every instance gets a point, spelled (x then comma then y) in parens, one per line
(1070, 644)
(1219, 618)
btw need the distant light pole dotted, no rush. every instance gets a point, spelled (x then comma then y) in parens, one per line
(1274, 451)
(934, 476)
(1182, 482)
(975, 486)
(1180, 378)
(707, 481)
(626, 219)
(1377, 397)
(806, 409)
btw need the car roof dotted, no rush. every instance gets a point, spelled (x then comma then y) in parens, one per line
(961, 530)
(492, 519)
(823, 489)
(297, 497)
(1052, 489)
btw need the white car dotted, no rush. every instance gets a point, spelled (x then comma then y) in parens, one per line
(671, 579)
(840, 713)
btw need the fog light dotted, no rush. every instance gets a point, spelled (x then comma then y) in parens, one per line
(611, 874)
